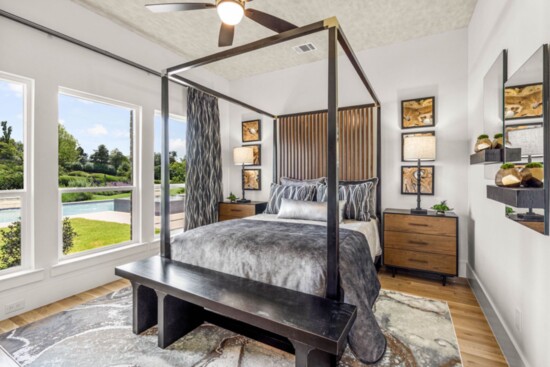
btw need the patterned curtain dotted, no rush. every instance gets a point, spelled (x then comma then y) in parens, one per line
(204, 163)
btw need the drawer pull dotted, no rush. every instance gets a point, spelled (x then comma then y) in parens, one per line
(418, 224)
(236, 210)
(418, 261)
(418, 243)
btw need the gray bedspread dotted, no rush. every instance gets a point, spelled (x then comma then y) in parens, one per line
(293, 256)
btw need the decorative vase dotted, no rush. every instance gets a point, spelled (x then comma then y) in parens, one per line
(440, 212)
(498, 143)
(482, 144)
(532, 177)
(508, 177)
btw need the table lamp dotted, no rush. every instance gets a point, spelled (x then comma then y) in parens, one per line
(243, 156)
(530, 140)
(419, 148)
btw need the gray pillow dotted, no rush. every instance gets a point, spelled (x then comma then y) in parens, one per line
(280, 192)
(307, 210)
(287, 181)
(372, 196)
(357, 198)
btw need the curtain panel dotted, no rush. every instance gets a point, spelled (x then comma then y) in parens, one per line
(204, 163)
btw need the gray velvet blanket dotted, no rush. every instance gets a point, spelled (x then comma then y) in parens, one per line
(293, 256)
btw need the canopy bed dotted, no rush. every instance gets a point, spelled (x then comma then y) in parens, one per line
(295, 302)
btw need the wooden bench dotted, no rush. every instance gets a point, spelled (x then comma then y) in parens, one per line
(180, 297)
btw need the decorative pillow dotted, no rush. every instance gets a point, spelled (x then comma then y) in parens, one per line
(287, 181)
(307, 210)
(372, 195)
(280, 192)
(357, 198)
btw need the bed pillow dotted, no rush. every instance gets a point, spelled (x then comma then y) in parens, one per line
(307, 210)
(280, 192)
(372, 195)
(287, 181)
(356, 196)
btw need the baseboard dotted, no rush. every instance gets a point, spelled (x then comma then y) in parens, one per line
(504, 337)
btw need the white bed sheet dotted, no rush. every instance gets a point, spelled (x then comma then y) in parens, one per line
(368, 229)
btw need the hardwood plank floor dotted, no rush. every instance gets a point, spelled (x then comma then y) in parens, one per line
(478, 345)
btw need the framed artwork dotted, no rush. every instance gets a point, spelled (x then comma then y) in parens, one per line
(418, 112)
(252, 131)
(406, 135)
(257, 154)
(409, 177)
(252, 179)
(523, 102)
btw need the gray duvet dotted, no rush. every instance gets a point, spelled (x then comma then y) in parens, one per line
(293, 256)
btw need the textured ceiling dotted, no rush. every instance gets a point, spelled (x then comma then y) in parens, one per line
(367, 24)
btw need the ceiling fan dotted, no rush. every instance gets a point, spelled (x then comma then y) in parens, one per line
(231, 13)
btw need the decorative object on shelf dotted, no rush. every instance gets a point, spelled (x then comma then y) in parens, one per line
(441, 208)
(523, 101)
(508, 176)
(257, 148)
(243, 156)
(419, 112)
(232, 198)
(420, 179)
(251, 131)
(483, 142)
(405, 136)
(528, 137)
(532, 175)
(498, 141)
(252, 179)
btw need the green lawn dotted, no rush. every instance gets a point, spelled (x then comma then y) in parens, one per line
(110, 197)
(93, 234)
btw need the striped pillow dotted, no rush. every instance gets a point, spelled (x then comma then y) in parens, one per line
(280, 192)
(372, 194)
(357, 198)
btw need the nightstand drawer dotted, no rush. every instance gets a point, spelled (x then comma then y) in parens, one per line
(420, 224)
(420, 242)
(438, 263)
(221, 218)
(237, 210)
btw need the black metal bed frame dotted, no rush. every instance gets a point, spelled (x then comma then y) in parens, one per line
(335, 37)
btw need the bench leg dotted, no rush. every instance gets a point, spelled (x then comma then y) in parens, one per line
(144, 308)
(176, 318)
(307, 356)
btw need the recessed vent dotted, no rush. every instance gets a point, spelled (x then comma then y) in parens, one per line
(306, 47)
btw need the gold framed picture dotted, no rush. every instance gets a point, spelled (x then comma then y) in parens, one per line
(523, 102)
(418, 112)
(257, 154)
(251, 131)
(252, 179)
(409, 180)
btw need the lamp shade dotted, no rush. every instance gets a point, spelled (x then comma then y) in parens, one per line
(419, 147)
(231, 12)
(243, 155)
(530, 140)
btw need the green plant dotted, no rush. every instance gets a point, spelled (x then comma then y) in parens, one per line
(483, 136)
(72, 197)
(533, 165)
(498, 136)
(507, 166)
(231, 197)
(509, 210)
(441, 207)
(10, 246)
(68, 235)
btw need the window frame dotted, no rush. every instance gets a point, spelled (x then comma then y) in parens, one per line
(134, 187)
(25, 194)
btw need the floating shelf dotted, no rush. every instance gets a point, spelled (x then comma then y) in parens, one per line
(495, 156)
(517, 197)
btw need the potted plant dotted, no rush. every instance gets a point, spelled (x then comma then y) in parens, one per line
(508, 176)
(532, 175)
(232, 198)
(483, 142)
(498, 142)
(441, 208)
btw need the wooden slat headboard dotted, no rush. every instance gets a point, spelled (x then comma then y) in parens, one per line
(302, 144)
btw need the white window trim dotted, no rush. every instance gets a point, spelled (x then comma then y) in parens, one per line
(134, 188)
(25, 195)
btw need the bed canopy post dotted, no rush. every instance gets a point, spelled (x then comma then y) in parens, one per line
(165, 171)
(333, 217)
(275, 152)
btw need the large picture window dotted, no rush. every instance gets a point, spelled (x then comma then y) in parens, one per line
(97, 166)
(178, 171)
(15, 124)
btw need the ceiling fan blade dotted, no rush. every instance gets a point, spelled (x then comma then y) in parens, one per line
(269, 21)
(227, 32)
(168, 7)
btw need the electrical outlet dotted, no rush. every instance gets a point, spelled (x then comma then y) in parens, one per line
(15, 306)
(518, 320)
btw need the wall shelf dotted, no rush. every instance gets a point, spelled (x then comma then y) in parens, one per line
(522, 197)
(488, 156)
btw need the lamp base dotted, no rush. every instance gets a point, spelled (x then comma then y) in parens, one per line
(243, 201)
(419, 211)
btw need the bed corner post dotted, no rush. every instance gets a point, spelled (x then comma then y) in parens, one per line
(333, 217)
(275, 152)
(165, 171)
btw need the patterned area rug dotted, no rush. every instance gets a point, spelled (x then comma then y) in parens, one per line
(419, 331)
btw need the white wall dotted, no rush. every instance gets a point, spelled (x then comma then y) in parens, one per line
(435, 65)
(511, 261)
(53, 63)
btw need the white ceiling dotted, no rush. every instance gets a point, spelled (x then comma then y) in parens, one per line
(367, 24)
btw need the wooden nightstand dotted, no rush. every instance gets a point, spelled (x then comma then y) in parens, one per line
(229, 210)
(426, 243)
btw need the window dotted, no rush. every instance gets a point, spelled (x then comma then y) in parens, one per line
(178, 171)
(15, 124)
(97, 166)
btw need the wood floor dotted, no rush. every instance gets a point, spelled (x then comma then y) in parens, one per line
(477, 343)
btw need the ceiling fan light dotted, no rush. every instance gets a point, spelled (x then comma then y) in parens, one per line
(231, 12)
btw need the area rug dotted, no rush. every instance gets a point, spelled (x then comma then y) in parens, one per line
(419, 332)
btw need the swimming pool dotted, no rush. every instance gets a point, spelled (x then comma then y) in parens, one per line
(69, 209)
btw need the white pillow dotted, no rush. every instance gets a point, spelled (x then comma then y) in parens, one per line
(307, 210)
